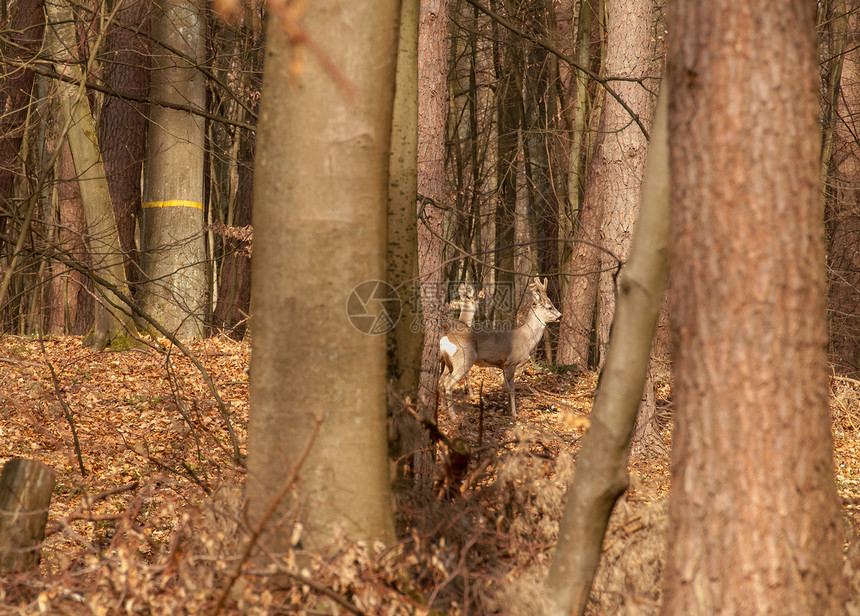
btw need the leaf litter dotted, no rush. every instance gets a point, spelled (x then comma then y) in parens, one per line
(155, 525)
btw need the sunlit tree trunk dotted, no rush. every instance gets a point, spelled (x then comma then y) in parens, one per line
(321, 190)
(611, 200)
(754, 514)
(113, 324)
(173, 248)
(410, 445)
(632, 53)
(433, 22)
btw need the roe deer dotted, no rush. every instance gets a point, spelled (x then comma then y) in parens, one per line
(468, 306)
(464, 321)
(463, 347)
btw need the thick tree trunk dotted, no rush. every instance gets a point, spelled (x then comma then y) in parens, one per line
(632, 53)
(173, 246)
(611, 200)
(321, 188)
(754, 513)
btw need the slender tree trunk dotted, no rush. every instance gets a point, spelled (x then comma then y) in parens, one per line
(508, 67)
(232, 309)
(172, 239)
(843, 223)
(113, 324)
(67, 297)
(410, 444)
(319, 343)
(754, 513)
(433, 22)
(122, 124)
(24, 33)
(604, 453)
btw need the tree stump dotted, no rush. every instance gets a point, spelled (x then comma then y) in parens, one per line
(25, 494)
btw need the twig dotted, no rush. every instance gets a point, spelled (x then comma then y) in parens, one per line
(67, 412)
(603, 81)
(101, 284)
(324, 590)
(10, 360)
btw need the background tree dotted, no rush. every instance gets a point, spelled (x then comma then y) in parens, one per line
(238, 59)
(172, 222)
(321, 192)
(122, 123)
(433, 22)
(841, 158)
(113, 324)
(611, 202)
(752, 454)
(410, 445)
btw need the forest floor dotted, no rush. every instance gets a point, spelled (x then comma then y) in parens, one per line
(146, 518)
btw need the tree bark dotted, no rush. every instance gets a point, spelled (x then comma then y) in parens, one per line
(433, 22)
(173, 259)
(113, 326)
(632, 53)
(69, 304)
(25, 495)
(410, 444)
(754, 513)
(611, 201)
(122, 124)
(601, 475)
(24, 33)
(321, 188)
(843, 222)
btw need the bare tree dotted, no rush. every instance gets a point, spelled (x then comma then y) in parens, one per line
(173, 256)
(321, 189)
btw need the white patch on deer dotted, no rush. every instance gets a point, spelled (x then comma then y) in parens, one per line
(447, 347)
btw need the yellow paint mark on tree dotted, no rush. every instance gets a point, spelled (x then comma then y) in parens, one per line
(174, 203)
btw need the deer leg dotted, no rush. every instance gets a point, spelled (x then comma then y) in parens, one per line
(458, 365)
(510, 371)
(469, 387)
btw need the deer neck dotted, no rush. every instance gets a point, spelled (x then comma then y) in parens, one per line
(530, 332)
